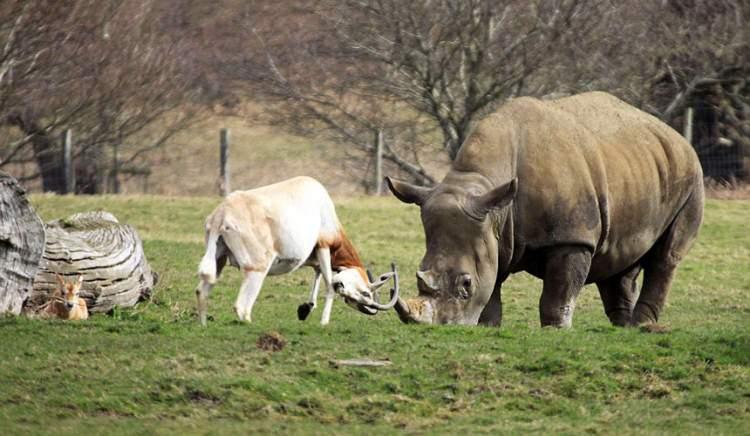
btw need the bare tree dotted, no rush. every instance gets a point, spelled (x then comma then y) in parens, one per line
(313, 87)
(454, 60)
(106, 69)
(127, 74)
(141, 95)
(669, 55)
(29, 60)
(356, 67)
(665, 51)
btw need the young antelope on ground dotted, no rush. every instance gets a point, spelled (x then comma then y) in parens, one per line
(66, 302)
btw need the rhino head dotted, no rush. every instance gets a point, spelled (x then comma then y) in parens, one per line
(458, 271)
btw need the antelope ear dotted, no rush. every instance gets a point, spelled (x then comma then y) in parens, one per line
(60, 279)
(80, 280)
(407, 192)
(480, 205)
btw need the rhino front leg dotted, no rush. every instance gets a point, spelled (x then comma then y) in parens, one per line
(565, 272)
(492, 314)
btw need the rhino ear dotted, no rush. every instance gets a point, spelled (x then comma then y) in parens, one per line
(407, 192)
(480, 205)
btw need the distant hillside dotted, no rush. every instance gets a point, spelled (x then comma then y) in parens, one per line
(188, 163)
(259, 155)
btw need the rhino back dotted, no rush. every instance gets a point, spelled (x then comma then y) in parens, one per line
(592, 171)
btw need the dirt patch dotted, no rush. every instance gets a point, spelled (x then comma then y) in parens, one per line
(202, 397)
(271, 341)
(655, 328)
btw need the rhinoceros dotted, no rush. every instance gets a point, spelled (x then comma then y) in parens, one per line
(583, 189)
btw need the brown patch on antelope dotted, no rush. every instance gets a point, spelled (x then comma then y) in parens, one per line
(343, 254)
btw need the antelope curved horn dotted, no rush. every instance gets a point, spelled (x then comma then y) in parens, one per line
(394, 292)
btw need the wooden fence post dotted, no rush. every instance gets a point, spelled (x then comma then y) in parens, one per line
(224, 162)
(144, 186)
(70, 181)
(115, 174)
(687, 126)
(379, 162)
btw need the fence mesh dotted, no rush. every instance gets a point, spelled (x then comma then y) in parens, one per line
(721, 131)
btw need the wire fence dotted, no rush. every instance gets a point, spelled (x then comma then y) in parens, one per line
(720, 133)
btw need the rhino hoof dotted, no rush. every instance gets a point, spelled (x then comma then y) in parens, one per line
(303, 311)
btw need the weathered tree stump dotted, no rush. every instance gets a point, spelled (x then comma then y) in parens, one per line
(21, 245)
(108, 254)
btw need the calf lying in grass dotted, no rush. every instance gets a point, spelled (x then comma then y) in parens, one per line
(66, 302)
(277, 229)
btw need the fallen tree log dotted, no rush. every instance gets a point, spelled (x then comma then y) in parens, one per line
(21, 245)
(108, 254)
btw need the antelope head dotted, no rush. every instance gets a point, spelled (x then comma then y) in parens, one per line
(360, 292)
(68, 292)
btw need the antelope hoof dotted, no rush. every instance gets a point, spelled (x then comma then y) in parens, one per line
(243, 315)
(304, 309)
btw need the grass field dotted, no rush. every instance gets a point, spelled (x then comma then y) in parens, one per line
(153, 369)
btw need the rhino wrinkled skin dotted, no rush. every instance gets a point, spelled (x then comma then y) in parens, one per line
(584, 189)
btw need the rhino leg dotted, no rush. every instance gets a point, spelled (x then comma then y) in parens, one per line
(657, 279)
(492, 314)
(565, 272)
(661, 261)
(619, 294)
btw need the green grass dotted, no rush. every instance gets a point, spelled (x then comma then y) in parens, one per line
(152, 369)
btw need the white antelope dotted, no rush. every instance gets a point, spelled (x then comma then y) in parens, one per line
(275, 230)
